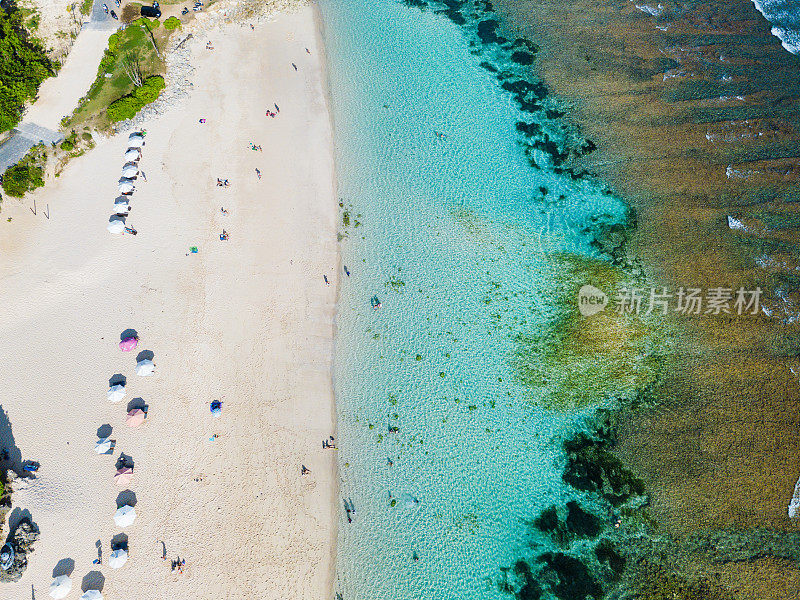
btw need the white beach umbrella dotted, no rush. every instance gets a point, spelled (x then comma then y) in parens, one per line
(116, 393)
(116, 226)
(145, 367)
(125, 516)
(132, 155)
(102, 445)
(125, 186)
(122, 205)
(91, 595)
(60, 587)
(129, 171)
(135, 142)
(118, 558)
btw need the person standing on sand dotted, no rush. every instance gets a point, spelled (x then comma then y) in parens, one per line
(258, 173)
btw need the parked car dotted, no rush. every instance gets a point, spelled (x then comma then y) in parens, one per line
(113, 14)
(150, 11)
(105, 8)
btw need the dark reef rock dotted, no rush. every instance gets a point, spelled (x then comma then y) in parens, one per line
(577, 524)
(580, 522)
(529, 129)
(608, 555)
(574, 581)
(591, 467)
(487, 32)
(547, 521)
(522, 58)
(22, 541)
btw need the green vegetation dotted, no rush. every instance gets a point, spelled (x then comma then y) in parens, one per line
(127, 106)
(30, 18)
(27, 174)
(577, 361)
(23, 67)
(653, 581)
(129, 64)
(172, 23)
(86, 6)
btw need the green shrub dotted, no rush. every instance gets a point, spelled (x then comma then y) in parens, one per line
(87, 136)
(67, 145)
(107, 63)
(172, 23)
(23, 67)
(113, 42)
(127, 106)
(22, 178)
(148, 23)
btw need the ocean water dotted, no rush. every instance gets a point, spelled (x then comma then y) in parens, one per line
(445, 456)
(785, 18)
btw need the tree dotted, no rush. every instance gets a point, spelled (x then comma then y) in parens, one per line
(132, 66)
(23, 67)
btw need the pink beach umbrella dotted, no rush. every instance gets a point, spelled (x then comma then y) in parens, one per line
(128, 344)
(135, 417)
(123, 476)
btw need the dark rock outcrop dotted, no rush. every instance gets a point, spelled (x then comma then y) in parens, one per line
(22, 540)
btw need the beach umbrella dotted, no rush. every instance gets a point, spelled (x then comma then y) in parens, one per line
(135, 138)
(132, 155)
(60, 587)
(116, 392)
(129, 171)
(125, 516)
(135, 134)
(116, 226)
(125, 186)
(128, 344)
(136, 143)
(135, 417)
(102, 445)
(118, 558)
(91, 595)
(123, 476)
(216, 408)
(145, 367)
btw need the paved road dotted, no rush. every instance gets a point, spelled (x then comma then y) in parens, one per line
(98, 19)
(27, 134)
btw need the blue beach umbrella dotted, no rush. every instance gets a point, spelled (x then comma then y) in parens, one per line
(216, 408)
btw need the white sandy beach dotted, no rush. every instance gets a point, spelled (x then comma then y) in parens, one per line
(249, 321)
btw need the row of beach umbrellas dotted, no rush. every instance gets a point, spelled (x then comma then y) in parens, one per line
(130, 170)
(125, 515)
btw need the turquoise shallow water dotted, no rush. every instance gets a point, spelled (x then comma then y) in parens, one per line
(452, 234)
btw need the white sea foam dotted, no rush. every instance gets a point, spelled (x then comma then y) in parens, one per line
(650, 10)
(732, 173)
(736, 224)
(785, 18)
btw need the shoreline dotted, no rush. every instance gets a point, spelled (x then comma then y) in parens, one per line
(319, 25)
(248, 320)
